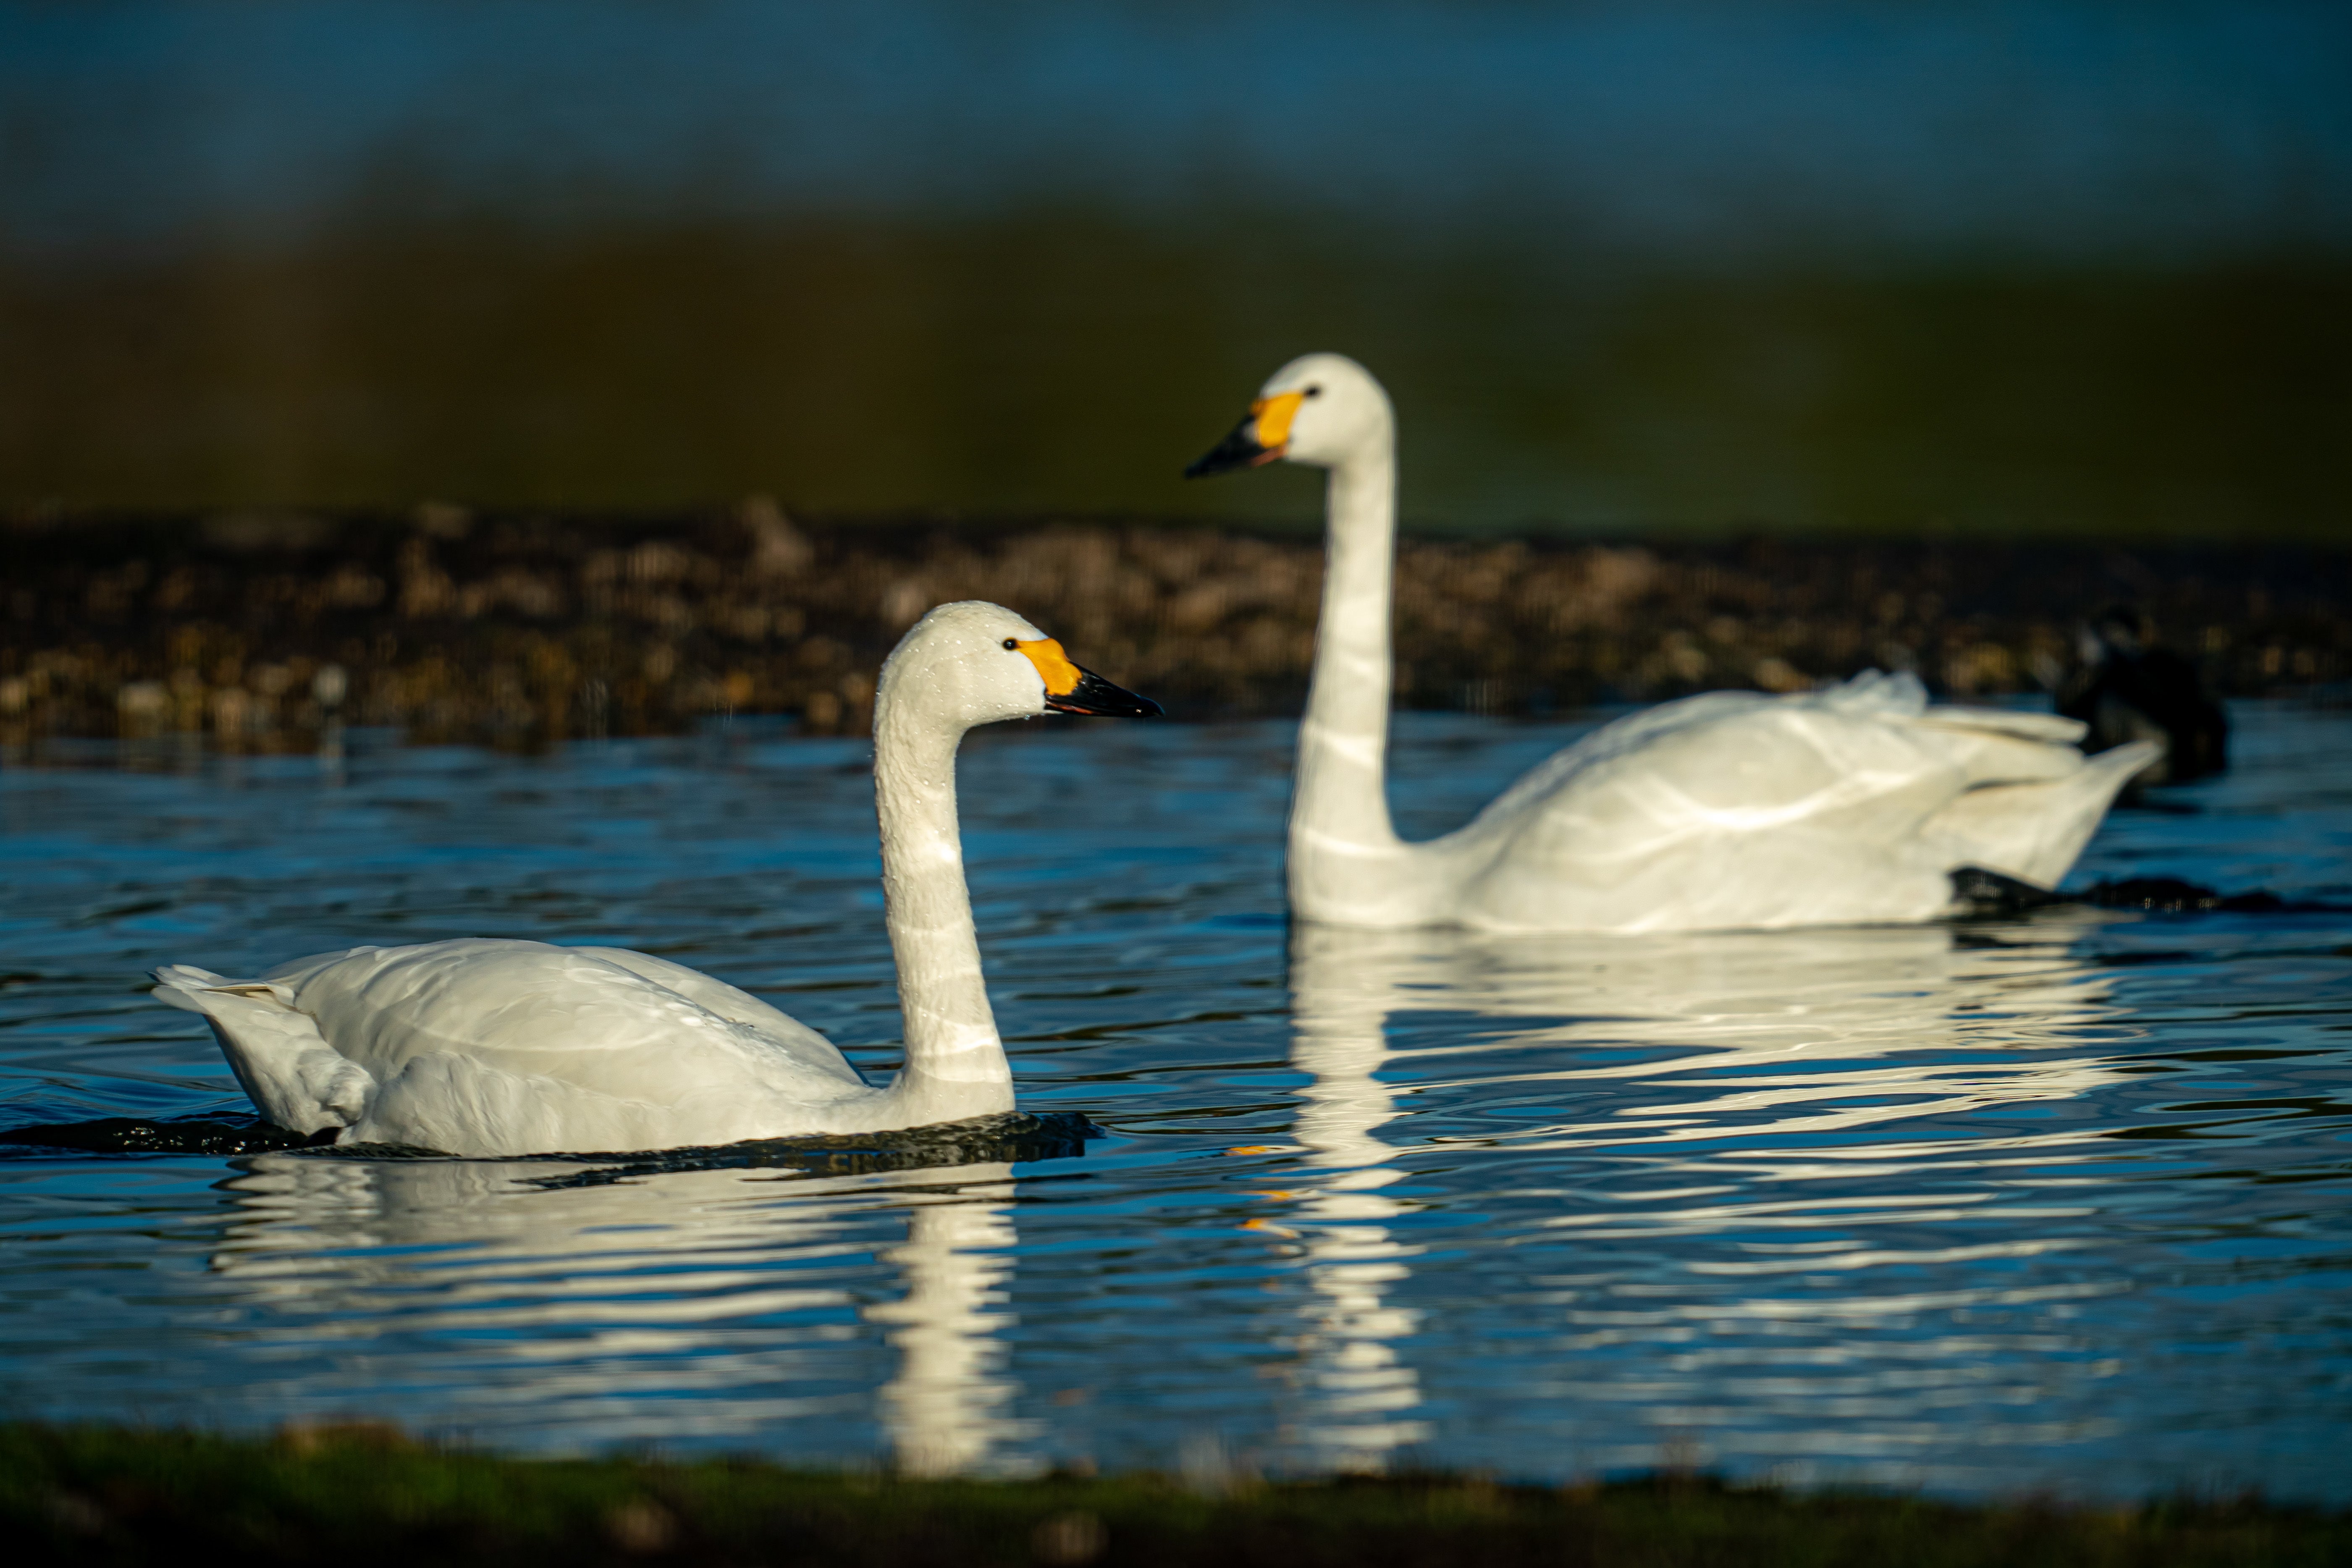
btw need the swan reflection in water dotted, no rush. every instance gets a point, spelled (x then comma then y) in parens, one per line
(573, 1302)
(1360, 1394)
(592, 1305)
(945, 1410)
(1787, 1041)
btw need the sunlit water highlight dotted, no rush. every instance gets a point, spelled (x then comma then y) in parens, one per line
(2054, 1203)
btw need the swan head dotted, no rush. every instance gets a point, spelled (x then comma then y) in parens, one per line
(976, 663)
(1319, 409)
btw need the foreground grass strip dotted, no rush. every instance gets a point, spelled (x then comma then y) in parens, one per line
(364, 1495)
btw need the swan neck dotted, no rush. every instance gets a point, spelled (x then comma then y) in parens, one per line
(1343, 742)
(954, 1056)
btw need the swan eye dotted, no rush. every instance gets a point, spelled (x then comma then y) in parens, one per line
(1314, 392)
(1011, 643)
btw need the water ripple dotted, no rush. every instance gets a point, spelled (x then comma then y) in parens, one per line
(2054, 1201)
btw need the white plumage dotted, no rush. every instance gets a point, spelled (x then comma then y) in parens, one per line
(1730, 809)
(488, 1046)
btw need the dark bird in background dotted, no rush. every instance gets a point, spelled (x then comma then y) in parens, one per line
(2128, 688)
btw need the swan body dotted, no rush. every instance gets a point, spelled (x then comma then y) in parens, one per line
(486, 1046)
(1725, 810)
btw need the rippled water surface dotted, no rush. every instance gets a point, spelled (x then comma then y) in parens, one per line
(2058, 1202)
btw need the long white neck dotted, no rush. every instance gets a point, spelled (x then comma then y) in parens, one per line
(1343, 849)
(955, 1061)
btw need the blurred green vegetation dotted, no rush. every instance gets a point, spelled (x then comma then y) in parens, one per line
(1049, 362)
(362, 1494)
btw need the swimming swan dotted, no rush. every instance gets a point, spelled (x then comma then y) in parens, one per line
(1730, 809)
(486, 1046)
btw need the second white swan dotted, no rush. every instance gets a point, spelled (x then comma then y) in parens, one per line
(486, 1047)
(1730, 809)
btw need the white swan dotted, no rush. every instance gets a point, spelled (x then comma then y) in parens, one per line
(1730, 809)
(488, 1046)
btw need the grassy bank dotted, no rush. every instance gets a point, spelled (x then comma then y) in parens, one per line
(363, 1495)
(368, 1496)
(259, 628)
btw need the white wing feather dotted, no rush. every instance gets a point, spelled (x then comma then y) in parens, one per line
(482, 1046)
(1852, 803)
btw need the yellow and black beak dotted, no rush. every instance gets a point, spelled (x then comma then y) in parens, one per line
(1256, 440)
(1072, 689)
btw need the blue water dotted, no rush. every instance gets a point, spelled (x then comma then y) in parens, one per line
(2055, 1203)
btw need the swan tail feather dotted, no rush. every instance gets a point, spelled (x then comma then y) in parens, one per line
(2054, 728)
(294, 1078)
(2035, 831)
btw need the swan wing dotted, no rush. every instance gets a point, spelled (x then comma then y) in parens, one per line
(2055, 728)
(1730, 809)
(1740, 809)
(726, 1001)
(483, 1046)
(2035, 831)
(1995, 747)
(1742, 763)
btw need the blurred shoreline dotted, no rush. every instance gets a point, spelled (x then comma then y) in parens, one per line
(1028, 362)
(261, 628)
(2030, 268)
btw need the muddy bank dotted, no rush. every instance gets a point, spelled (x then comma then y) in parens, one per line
(257, 628)
(359, 1492)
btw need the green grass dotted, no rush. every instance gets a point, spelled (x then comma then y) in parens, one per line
(363, 1495)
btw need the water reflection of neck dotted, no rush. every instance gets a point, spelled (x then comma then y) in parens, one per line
(1353, 1261)
(441, 1242)
(943, 1409)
